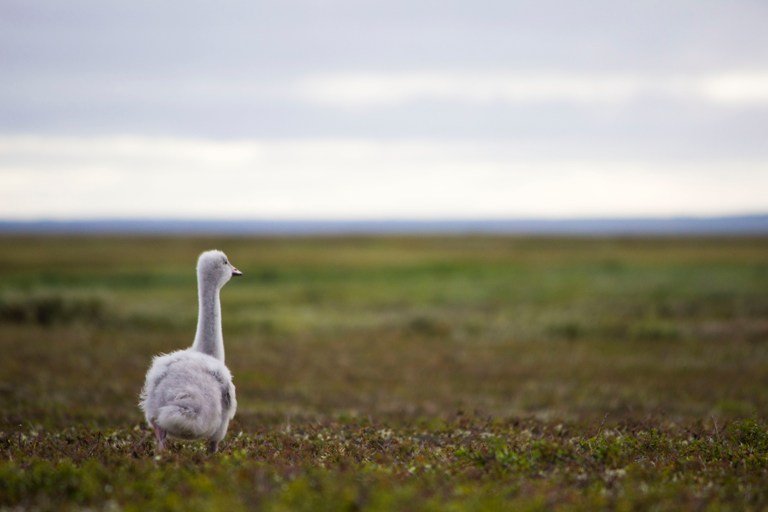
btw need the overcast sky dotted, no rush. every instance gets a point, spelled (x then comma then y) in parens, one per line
(394, 109)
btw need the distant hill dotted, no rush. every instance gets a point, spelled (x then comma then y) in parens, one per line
(741, 225)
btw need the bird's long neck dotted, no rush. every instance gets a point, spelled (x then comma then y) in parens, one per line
(209, 339)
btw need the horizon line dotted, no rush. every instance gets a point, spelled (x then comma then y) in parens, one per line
(745, 224)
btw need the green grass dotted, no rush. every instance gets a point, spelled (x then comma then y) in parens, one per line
(433, 373)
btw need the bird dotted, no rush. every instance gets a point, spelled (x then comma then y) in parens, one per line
(188, 394)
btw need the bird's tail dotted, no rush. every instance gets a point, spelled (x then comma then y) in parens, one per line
(183, 418)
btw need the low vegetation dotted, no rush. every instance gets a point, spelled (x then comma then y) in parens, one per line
(50, 307)
(458, 373)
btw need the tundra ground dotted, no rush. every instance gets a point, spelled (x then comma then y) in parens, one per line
(395, 373)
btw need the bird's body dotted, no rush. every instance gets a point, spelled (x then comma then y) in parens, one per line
(189, 393)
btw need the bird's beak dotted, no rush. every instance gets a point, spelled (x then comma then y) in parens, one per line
(236, 272)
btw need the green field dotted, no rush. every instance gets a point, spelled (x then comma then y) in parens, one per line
(383, 373)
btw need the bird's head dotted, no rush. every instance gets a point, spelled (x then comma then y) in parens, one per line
(213, 267)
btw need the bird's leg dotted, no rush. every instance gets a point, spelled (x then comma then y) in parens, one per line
(160, 435)
(213, 446)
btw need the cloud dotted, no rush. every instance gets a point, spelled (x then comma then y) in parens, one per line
(65, 177)
(382, 89)
(738, 88)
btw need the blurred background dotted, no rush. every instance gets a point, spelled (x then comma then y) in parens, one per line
(430, 203)
(382, 110)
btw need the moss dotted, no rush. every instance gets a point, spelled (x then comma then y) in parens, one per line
(466, 465)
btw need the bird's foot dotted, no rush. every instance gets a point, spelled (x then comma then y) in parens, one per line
(160, 436)
(213, 446)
